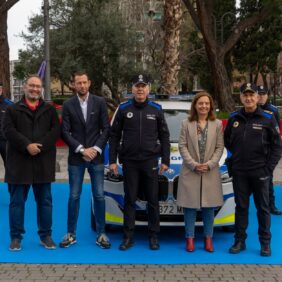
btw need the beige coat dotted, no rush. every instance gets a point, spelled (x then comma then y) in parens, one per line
(191, 194)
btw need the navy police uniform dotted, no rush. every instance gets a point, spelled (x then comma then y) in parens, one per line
(139, 136)
(254, 142)
(268, 107)
(4, 103)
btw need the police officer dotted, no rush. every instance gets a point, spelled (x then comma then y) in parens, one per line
(139, 136)
(267, 106)
(4, 103)
(253, 138)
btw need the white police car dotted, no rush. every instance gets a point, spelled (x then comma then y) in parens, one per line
(175, 111)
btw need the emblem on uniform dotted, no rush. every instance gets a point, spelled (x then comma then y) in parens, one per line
(248, 85)
(129, 115)
(236, 124)
(140, 77)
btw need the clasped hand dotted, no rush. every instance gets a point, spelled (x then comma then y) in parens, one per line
(34, 148)
(89, 154)
(202, 168)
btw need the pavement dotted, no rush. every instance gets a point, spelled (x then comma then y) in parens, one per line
(185, 272)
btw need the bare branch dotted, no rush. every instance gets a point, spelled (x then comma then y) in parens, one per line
(241, 26)
(5, 5)
(192, 12)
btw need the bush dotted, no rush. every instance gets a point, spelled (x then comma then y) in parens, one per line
(59, 100)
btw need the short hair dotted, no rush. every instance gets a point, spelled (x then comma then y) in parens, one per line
(194, 115)
(79, 73)
(32, 76)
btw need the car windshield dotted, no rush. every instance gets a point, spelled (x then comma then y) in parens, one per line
(174, 119)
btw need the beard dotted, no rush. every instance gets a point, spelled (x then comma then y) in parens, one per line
(32, 97)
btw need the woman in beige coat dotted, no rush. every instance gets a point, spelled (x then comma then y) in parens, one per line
(199, 187)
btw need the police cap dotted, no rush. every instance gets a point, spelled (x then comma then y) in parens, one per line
(262, 90)
(140, 79)
(248, 87)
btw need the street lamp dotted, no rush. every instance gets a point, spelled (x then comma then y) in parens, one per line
(47, 94)
(221, 22)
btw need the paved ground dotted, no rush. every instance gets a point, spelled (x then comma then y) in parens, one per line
(194, 273)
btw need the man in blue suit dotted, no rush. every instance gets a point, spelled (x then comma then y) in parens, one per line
(85, 128)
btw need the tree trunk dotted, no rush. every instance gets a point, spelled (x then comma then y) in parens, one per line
(222, 84)
(170, 65)
(4, 54)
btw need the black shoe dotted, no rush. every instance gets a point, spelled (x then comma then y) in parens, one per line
(154, 243)
(265, 250)
(15, 245)
(275, 211)
(237, 247)
(126, 244)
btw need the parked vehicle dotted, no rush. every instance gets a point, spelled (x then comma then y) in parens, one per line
(175, 111)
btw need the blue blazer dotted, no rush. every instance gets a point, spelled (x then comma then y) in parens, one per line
(92, 132)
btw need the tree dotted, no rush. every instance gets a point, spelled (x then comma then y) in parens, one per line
(202, 13)
(257, 51)
(88, 35)
(5, 6)
(170, 65)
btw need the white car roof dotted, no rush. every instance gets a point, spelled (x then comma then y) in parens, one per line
(174, 105)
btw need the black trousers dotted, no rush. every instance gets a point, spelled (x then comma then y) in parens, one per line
(256, 183)
(134, 172)
(3, 150)
(3, 155)
(271, 193)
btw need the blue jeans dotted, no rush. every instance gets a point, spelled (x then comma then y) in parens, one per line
(76, 175)
(190, 220)
(43, 198)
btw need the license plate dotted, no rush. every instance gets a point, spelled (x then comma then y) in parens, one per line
(170, 208)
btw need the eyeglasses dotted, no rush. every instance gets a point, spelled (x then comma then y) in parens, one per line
(34, 86)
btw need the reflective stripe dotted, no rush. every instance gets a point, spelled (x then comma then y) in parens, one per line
(111, 218)
(225, 220)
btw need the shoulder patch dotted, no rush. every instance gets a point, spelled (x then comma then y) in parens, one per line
(273, 108)
(233, 114)
(267, 114)
(155, 105)
(8, 102)
(125, 104)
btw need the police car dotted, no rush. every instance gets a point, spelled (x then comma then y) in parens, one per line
(175, 111)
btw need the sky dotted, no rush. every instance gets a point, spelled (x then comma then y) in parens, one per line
(18, 17)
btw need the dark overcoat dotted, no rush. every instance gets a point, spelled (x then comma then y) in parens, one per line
(22, 127)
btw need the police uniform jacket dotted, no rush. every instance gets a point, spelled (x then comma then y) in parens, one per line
(4, 103)
(139, 132)
(22, 127)
(253, 140)
(273, 109)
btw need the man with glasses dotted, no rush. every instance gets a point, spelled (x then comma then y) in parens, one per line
(31, 128)
(267, 106)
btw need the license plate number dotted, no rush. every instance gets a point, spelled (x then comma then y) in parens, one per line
(170, 209)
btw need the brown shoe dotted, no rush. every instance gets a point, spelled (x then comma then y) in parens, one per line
(208, 244)
(190, 246)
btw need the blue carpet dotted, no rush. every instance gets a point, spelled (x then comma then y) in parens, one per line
(86, 252)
